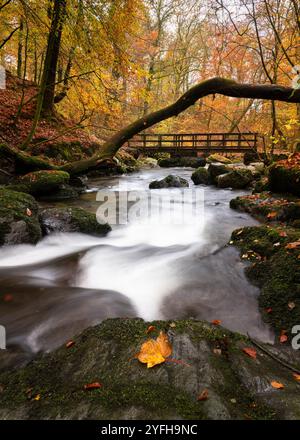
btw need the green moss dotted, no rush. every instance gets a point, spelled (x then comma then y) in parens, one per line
(237, 179)
(43, 182)
(201, 176)
(18, 207)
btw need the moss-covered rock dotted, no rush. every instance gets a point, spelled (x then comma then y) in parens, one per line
(261, 185)
(44, 182)
(269, 207)
(237, 179)
(191, 162)
(276, 270)
(213, 158)
(217, 169)
(284, 179)
(201, 176)
(18, 218)
(169, 182)
(205, 357)
(71, 220)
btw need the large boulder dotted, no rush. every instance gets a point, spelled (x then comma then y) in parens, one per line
(217, 169)
(169, 182)
(236, 179)
(204, 357)
(43, 182)
(191, 162)
(71, 220)
(201, 176)
(284, 177)
(18, 218)
(218, 158)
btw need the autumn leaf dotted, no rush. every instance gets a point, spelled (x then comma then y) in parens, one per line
(269, 310)
(293, 245)
(272, 214)
(8, 297)
(154, 352)
(291, 305)
(150, 329)
(283, 234)
(203, 396)
(92, 386)
(296, 376)
(216, 322)
(283, 337)
(28, 212)
(277, 385)
(37, 397)
(70, 344)
(250, 352)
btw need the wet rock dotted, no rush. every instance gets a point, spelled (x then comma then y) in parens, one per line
(18, 218)
(201, 176)
(261, 185)
(65, 192)
(217, 169)
(170, 181)
(71, 220)
(191, 162)
(44, 182)
(238, 387)
(236, 179)
(218, 158)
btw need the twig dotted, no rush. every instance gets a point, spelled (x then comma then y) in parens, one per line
(275, 358)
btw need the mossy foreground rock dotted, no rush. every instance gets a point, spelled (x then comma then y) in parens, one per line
(203, 357)
(276, 270)
(43, 182)
(18, 218)
(169, 182)
(218, 158)
(71, 220)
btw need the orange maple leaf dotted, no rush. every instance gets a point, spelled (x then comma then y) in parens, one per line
(277, 385)
(250, 352)
(154, 352)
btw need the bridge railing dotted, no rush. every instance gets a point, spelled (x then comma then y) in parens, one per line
(235, 142)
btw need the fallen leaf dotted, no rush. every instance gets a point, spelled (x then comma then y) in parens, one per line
(296, 376)
(70, 344)
(217, 351)
(269, 310)
(172, 325)
(37, 397)
(92, 386)
(272, 214)
(293, 245)
(28, 212)
(216, 322)
(8, 297)
(250, 352)
(277, 385)
(283, 336)
(291, 305)
(233, 400)
(150, 329)
(154, 352)
(203, 396)
(283, 234)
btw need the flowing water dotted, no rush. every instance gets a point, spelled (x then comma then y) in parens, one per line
(152, 267)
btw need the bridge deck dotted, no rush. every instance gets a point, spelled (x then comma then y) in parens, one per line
(194, 143)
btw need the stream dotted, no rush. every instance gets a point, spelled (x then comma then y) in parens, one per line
(154, 267)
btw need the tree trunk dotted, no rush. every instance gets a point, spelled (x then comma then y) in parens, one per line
(52, 54)
(20, 49)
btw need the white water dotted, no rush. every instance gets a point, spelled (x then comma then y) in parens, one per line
(150, 268)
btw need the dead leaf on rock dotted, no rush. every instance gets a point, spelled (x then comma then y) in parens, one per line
(293, 245)
(70, 344)
(296, 377)
(216, 322)
(203, 396)
(277, 385)
(291, 305)
(150, 329)
(250, 352)
(154, 352)
(92, 386)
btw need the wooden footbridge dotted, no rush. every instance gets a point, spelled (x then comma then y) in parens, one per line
(193, 144)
